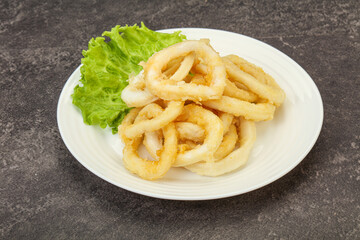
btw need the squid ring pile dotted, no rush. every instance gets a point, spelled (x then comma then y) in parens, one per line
(196, 110)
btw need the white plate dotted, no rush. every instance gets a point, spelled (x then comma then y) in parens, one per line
(281, 143)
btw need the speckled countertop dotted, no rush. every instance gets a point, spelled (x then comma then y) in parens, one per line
(46, 194)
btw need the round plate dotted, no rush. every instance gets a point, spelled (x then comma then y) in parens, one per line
(281, 143)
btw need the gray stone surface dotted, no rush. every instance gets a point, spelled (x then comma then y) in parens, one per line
(46, 194)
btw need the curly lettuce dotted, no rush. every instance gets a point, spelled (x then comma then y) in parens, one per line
(106, 67)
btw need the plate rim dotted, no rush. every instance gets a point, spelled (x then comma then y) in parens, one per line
(299, 158)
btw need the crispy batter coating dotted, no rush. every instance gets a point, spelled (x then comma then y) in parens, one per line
(168, 89)
(233, 161)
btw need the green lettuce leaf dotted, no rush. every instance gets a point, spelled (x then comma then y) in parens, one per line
(106, 67)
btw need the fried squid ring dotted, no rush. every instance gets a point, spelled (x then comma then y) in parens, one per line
(213, 135)
(185, 146)
(273, 94)
(153, 142)
(231, 90)
(190, 131)
(253, 70)
(237, 107)
(228, 143)
(201, 68)
(193, 133)
(198, 79)
(184, 68)
(191, 144)
(172, 66)
(136, 94)
(189, 136)
(229, 140)
(172, 111)
(128, 120)
(233, 161)
(147, 169)
(226, 120)
(159, 85)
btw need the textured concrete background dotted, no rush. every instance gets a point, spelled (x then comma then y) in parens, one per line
(46, 194)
